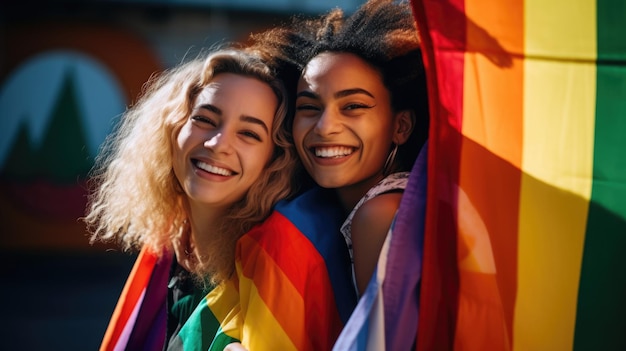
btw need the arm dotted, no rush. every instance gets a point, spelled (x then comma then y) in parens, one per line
(370, 225)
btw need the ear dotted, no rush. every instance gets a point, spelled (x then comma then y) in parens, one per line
(403, 126)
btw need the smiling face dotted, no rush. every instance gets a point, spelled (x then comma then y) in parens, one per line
(225, 143)
(343, 127)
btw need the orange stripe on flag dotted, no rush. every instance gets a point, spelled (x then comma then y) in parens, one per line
(491, 157)
(274, 255)
(133, 289)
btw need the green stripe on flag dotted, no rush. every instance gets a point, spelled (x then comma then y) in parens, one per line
(221, 341)
(198, 331)
(601, 319)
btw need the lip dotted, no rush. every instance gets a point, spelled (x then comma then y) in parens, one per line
(203, 173)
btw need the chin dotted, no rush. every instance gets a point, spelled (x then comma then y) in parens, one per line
(329, 183)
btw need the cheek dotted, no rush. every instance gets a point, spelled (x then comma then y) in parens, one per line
(178, 150)
(177, 154)
(181, 143)
(379, 127)
(178, 145)
(298, 140)
(299, 130)
(261, 161)
(185, 138)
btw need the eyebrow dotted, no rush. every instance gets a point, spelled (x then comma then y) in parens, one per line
(339, 94)
(254, 120)
(353, 91)
(211, 108)
(244, 118)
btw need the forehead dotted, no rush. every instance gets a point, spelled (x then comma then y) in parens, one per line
(235, 94)
(237, 97)
(340, 70)
(231, 85)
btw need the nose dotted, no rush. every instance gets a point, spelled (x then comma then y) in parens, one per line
(328, 123)
(220, 142)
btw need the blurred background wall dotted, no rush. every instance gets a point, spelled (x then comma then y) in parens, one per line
(68, 69)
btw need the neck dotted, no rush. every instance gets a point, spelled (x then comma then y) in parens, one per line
(351, 194)
(204, 222)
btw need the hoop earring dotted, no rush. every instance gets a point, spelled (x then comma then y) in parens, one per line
(388, 167)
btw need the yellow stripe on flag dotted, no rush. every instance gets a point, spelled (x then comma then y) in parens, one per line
(261, 330)
(224, 304)
(561, 29)
(557, 161)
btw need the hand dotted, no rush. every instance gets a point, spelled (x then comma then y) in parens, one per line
(235, 346)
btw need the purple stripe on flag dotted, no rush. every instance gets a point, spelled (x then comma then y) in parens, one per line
(122, 340)
(149, 328)
(404, 261)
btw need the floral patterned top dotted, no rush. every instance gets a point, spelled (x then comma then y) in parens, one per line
(393, 182)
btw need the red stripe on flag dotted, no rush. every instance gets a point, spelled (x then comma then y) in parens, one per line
(443, 28)
(277, 245)
(135, 285)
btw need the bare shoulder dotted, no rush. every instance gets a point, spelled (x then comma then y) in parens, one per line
(376, 214)
(380, 208)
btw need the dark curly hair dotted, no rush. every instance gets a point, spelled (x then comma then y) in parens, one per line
(381, 32)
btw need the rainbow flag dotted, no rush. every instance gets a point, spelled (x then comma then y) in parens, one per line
(293, 289)
(526, 210)
(525, 214)
(139, 319)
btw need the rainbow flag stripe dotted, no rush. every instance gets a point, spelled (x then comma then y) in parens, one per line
(139, 319)
(293, 289)
(526, 212)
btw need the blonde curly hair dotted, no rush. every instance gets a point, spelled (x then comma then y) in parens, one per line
(135, 198)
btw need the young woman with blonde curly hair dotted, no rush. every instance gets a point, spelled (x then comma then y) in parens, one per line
(204, 154)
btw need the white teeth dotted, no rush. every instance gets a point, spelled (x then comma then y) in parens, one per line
(336, 151)
(212, 169)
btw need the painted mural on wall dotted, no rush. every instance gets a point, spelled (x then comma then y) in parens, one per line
(62, 89)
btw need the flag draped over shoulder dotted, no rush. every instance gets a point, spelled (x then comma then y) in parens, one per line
(386, 316)
(293, 289)
(526, 209)
(139, 318)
